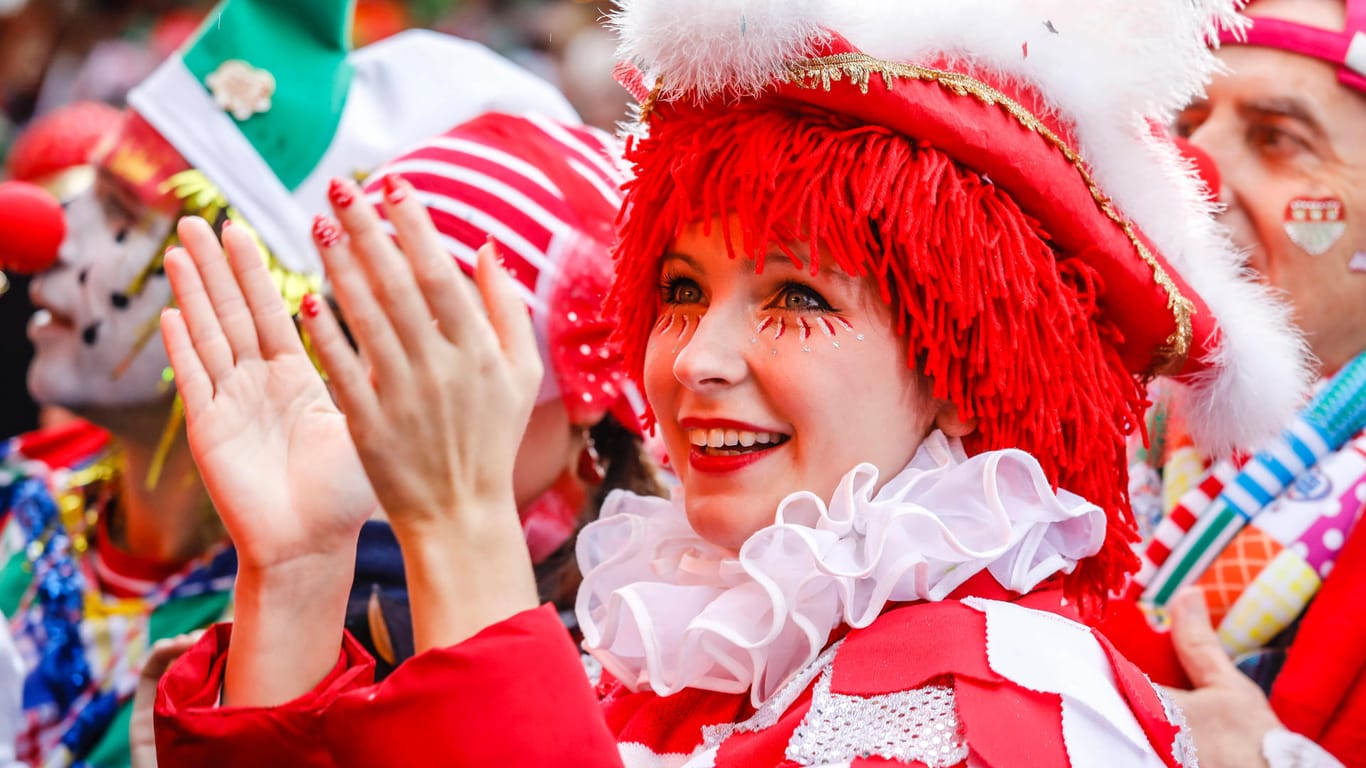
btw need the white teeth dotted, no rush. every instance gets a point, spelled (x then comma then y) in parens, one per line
(41, 318)
(731, 438)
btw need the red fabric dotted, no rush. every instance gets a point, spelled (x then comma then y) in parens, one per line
(908, 650)
(451, 706)
(63, 446)
(142, 160)
(61, 139)
(144, 573)
(515, 695)
(191, 730)
(1021, 727)
(1321, 691)
(1151, 649)
(1143, 701)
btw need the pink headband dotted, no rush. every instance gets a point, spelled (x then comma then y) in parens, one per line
(1347, 48)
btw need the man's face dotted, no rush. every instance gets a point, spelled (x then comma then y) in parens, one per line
(1281, 130)
(90, 322)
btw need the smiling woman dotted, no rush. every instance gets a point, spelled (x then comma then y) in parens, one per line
(891, 289)
(743, 367)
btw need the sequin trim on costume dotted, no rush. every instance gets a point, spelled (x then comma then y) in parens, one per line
(1183, 746)
(920, 725)
(768, 714)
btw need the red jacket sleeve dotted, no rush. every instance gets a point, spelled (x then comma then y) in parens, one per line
(192, 730)
(513, 695)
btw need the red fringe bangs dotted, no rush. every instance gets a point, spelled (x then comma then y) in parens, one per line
(1000, 325)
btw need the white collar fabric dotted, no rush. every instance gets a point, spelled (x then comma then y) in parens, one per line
(664, 609)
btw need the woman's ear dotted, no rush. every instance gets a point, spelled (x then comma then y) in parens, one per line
(950, 422)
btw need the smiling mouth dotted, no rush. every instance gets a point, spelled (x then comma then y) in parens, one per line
(733, 442)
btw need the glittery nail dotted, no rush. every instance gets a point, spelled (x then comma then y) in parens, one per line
(325, 231)
(339, 192)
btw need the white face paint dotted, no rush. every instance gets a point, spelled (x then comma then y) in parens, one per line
(87, 325)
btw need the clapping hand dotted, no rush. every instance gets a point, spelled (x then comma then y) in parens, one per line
(440, 413)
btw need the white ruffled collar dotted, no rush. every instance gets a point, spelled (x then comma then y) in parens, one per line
(662, 608)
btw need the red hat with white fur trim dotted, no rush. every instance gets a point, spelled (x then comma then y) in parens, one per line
(1047, 251)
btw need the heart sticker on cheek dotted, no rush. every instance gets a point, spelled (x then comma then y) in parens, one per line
(1315, 224)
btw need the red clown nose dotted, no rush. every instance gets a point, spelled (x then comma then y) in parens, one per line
(1204, 166)
(31, 227)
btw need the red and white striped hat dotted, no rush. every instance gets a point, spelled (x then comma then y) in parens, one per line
(548, 192)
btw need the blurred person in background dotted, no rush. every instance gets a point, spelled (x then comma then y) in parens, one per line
(1262, 560)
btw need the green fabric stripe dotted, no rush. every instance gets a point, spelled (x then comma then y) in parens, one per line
(14, 580)
(1226, 517)
(303, 44)
(175, 617)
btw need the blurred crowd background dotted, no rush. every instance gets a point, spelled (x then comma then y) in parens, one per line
(58, 52)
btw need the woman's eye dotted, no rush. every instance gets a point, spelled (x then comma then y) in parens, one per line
(800, 298)
(681, 291)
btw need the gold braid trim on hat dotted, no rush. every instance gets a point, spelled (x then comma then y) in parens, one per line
(859, 68)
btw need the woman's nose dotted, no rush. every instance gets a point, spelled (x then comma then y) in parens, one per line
(713, 353)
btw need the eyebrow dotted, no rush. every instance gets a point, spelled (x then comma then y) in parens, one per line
(1288, 107)
(777, 257)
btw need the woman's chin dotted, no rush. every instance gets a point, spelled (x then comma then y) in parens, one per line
(727, 521)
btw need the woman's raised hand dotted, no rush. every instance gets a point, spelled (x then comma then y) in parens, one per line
(271, 446)
(276, 458)
(439, 418)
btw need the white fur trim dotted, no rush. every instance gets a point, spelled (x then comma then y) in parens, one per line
(1109, 68)
(709, 47)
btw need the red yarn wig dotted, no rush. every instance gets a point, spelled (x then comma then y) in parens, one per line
(1000, 324)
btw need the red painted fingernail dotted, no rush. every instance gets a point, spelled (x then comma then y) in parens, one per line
(227, 223)
(325, 231)
(395, 188)
(339, 192)
(309, 306)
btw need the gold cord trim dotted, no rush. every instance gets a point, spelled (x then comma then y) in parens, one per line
(859, 68)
